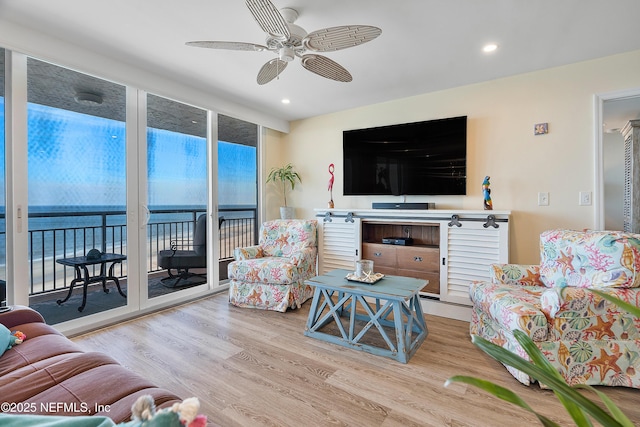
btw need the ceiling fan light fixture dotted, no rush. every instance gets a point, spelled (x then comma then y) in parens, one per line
(88, 98)
(287, 54)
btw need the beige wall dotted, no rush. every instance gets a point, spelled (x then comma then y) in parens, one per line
(501, 116)
(275, 156)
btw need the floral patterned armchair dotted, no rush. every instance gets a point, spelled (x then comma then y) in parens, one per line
(272, 274)
(588, 339)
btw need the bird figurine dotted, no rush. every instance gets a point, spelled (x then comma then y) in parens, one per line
(486, 192)
(331, 169)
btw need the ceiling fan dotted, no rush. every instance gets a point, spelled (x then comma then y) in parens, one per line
(289, 40)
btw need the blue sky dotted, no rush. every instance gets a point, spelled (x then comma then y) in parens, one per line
(78, 159)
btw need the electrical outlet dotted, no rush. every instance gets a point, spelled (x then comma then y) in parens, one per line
(543, 199)
(585, 198)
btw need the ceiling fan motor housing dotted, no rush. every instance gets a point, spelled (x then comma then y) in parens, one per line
(287, 54)
(294, 41)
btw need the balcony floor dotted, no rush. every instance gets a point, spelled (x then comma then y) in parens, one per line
(97, 300)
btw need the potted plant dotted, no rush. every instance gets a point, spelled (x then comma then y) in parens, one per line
(284, 176)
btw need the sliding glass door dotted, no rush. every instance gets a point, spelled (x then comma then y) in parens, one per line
(177, 196)
(77, 192)
(237, 186)
(121, 200)
(3, 228)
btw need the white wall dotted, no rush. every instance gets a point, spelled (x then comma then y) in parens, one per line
(501, 116)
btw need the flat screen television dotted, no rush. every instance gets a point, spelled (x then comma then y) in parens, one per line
(422, 158)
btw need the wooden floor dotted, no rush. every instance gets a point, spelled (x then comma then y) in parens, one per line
(256, 368)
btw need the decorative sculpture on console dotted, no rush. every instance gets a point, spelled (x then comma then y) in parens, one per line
(486, 192)
(331, 169)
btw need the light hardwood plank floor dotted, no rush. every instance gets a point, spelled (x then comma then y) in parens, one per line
(256, 368)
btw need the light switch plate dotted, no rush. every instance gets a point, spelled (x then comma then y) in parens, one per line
(543, 199)
(585, 198)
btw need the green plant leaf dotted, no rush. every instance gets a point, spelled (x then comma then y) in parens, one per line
(540, 360)
(548, 378)
(501, 393)
(622, 304)
(612, 407)
(540, 369)
(534, 353)
(284, 175)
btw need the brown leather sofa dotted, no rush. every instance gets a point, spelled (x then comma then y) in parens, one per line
(49, 374)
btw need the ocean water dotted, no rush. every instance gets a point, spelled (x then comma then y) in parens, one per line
(77, 179)
(57, 231)
(77, 174)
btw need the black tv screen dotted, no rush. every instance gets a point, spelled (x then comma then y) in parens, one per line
(422, 158)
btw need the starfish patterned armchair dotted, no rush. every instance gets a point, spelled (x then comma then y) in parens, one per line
(586, 338)
(271, 275)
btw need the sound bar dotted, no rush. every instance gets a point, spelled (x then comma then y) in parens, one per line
(403, 206)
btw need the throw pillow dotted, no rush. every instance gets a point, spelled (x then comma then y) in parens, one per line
(8, 339)
(589, 259)
(5, 339)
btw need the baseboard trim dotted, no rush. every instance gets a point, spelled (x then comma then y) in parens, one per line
(444, 309)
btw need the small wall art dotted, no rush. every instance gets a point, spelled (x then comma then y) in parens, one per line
(541, 128)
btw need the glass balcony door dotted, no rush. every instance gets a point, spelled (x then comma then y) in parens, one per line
(237, 196)
(3, 230)
(76, 192)
(177, 197)
(97, 168)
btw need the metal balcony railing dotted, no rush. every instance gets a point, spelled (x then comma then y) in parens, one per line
(107, 231)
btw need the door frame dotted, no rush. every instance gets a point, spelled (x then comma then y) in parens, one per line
(598, 107)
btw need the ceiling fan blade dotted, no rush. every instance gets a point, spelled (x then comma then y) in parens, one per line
(325, 67)
(227, 45)
(342, 37)
(271, 70)
(269, 18)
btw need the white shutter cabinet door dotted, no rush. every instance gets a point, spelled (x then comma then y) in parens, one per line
(467, 252)
(338, 243)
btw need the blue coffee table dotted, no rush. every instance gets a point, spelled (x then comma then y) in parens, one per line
(344, 312)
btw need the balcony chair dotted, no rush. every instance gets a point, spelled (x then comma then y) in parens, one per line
(271, 275)
(182, 260)
(586, 338)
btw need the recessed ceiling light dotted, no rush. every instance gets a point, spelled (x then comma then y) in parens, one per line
(489, 47)
(286, 101)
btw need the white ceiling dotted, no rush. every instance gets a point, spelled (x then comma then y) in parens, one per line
(425, 46)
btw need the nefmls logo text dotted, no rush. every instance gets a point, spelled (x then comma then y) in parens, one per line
(64, 407)
(71, 407)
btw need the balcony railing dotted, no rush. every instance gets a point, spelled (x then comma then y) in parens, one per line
(50, 239)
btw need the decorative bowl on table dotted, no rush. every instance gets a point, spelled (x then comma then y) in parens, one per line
(368, 279)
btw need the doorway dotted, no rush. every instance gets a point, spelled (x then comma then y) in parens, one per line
(613, 111)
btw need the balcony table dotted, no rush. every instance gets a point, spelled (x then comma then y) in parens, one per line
(80, 265)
